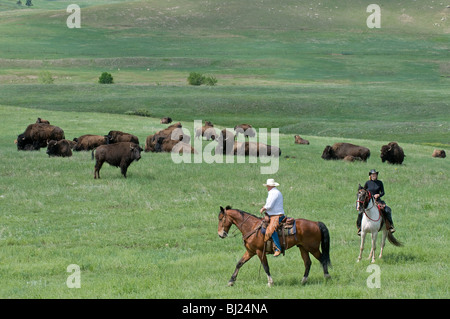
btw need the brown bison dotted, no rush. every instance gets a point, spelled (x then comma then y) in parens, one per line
(207, 131)
(169, 145)
(118, 136)
(170, 132)
(392, 153)
(299, 140)
(166, 120)
(36, 136)
(245, 129)
(439, 153)
(39, 120)
(59, 148)
(88, 142)
(120, 154)
(341, 150)
(228, 146)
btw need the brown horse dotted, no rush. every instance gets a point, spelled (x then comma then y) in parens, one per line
(310, 235)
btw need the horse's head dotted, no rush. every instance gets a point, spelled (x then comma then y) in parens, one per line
(362, 198)
(224, 223)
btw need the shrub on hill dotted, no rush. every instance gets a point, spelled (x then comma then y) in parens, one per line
(196, 78)
(105, 78)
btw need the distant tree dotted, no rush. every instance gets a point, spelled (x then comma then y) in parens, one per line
(19, 3)
(106, 78)
(29, 4)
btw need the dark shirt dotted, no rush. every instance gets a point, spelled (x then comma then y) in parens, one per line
(375, 187)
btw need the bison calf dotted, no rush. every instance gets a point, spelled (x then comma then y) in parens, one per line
(120, 154)
(439, 153)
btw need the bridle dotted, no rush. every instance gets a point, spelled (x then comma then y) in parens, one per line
(363, 203)
(238, 226)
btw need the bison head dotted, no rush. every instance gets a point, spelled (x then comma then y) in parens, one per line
(135, 152)
(328, 153)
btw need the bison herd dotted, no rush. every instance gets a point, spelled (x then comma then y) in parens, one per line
(120, 149)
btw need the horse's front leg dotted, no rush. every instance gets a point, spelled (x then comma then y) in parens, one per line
(374, 246)
(241, 262)
(263, 258)
(363, 238)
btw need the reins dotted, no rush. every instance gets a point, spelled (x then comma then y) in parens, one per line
(373, 204)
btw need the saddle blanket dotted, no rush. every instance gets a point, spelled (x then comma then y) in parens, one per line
(289, 229)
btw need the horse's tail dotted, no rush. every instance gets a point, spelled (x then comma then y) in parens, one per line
(393, 240)
(325, 245)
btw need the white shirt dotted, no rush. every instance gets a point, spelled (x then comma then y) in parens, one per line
(274, 202)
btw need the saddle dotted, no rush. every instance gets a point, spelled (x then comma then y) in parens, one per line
(285, 228)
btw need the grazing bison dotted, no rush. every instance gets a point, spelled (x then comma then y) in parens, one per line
(166, 120)
(120, 154)
(59, 148)
(439, 153)
(207, 131)
(118, 136)
(37, 135)
(392, 153)
(88, 142)
(245, 129)
(299, 140)
(39, 120)
(341, 150)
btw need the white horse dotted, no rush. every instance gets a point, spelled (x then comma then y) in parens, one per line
(372, 222)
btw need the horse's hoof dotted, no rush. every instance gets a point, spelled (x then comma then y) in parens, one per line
(230, 283)
(304, 280)
(327, 276)
(270, 284)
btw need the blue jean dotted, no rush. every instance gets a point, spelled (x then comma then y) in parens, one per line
(275, 238)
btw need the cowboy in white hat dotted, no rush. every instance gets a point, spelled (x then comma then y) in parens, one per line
(273, 208)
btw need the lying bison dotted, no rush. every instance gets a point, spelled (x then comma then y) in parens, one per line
(120, 154)
(37, 135)
(299, 140)
(118, 136)
(439, 153)
(341, 150)
(245, 129)
(166, 120)
(392, 153)
(175, 146)
(88, 142)
(228, 146)
(207, 131)
(59, 148)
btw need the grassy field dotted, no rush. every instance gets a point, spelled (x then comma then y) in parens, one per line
(309, 69)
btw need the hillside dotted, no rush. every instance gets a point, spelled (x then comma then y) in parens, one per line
(307, 67)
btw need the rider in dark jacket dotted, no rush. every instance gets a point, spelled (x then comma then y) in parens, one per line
(376, 188)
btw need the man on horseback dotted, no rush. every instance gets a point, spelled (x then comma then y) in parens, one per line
(376, 188)
(273, 208)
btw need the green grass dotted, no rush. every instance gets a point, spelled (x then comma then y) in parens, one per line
(154, 235)
(308, 69)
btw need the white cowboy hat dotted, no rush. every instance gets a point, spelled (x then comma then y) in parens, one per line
(271, 182)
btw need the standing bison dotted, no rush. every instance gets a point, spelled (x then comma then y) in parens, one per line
(88, 142)
(120, 154)
(392, 153)
(341, 150)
